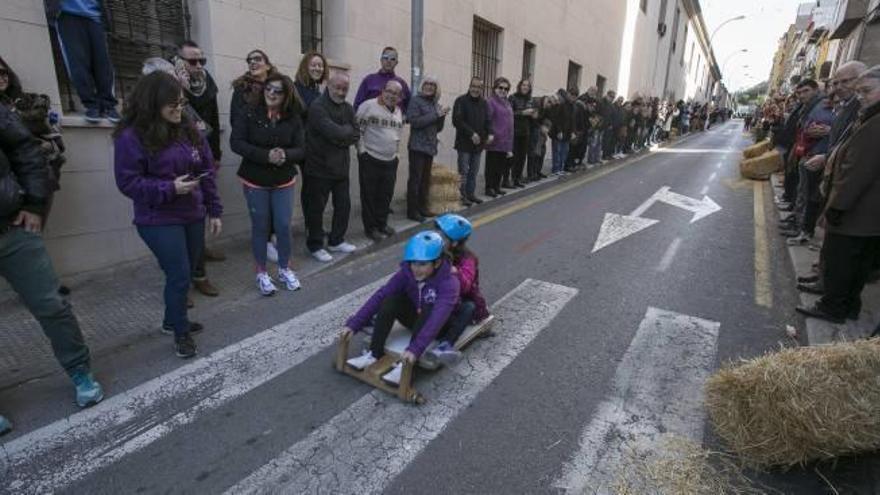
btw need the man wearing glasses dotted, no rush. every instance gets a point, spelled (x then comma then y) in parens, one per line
(372, 85)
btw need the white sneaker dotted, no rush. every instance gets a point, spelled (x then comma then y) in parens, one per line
(271, 253)
(343, 247)
(322, 255)
(393, 376)
(264, 283)
(362, 361)
(288, 278)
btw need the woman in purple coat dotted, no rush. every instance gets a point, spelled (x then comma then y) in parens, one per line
(165, 166)
(499, 151)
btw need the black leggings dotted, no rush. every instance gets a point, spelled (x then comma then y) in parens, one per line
(400, 308)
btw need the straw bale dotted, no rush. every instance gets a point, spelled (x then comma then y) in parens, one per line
(761, 167)
(799, 405)
(757, 149)
(444, 195)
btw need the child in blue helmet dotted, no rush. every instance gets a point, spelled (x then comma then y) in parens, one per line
(472, 307)
(421, 295)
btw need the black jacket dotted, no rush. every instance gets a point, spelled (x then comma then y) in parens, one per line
(469, 116)
(521, 123)
(254, 135)
(24, 176)
(562, 117)
(330, 131)
(206, 106)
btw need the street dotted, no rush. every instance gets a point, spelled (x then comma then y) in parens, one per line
(617, 293)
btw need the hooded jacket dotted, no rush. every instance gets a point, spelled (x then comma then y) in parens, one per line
(468, 267)
(439, 293)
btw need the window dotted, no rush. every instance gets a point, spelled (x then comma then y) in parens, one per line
(684, 40)
(662, 16)
(528, 64)
(312, 25)
(675, 20)
(486, 53)
(600, 84)
(574, 75)
(135, 31)
(643, 4)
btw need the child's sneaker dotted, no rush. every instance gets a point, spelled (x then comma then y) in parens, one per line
(288, 278)
(264, 283)
(393, 376)
(364, 360)
(446, 353)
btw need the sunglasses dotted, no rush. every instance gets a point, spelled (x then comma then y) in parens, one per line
(257, 59)
(4, 72)
(503, 88)
(391, 58)
(196, 61)
(274, 90)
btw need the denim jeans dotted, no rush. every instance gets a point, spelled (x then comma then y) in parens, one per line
(594, 155)
(460, 318)
(84, 45)
(26, 266)
(560, 154)
(468, 168)
(177, 248)
(271, 211)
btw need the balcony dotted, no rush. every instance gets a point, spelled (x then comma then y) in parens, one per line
(849, 14)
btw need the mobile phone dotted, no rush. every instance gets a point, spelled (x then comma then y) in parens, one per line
(199, 176)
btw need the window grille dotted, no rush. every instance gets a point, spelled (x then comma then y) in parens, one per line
(528, 65)
(486, 53)
(312, 25)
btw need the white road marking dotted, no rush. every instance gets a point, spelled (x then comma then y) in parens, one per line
(713, 176)
(657, 390)
(704, 190)
(695, 150)
(616, 227)
(52, 457)
(362, 449)
(669, 255)
(719, 165)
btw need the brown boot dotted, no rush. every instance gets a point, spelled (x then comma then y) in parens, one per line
(214, 254)
(205, 286)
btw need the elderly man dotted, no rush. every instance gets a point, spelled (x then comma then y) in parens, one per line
(380, 121)
(373, 85)
(330, 132)
(852, 240)
(473, 127)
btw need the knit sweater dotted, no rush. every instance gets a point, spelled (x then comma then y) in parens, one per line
(380, 130)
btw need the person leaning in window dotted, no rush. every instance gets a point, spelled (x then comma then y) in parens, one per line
(269, 137)
(499, 151)
(311, 75)
(165, 166)
(247, 89)
(426, 117)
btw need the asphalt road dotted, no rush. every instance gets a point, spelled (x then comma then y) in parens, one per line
(509, 420)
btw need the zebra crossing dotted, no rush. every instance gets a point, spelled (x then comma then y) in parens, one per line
(368, 443)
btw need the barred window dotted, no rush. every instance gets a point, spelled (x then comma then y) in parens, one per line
(486, 53)
(312, 25)
(528, 65)
(136, 30)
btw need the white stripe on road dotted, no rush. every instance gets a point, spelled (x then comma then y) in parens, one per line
(669, 255)
(657, 390)
(713, 176)
(362, 449)
(704, 190)
(56, 455)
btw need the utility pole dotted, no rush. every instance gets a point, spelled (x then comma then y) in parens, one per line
(417, 29)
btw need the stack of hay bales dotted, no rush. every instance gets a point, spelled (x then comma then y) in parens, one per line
(800, 405)
(760, 161)
(444, 196)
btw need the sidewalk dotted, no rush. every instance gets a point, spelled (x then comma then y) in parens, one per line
(821, 331)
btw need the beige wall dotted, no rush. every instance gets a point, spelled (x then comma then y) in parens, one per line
(651, 52)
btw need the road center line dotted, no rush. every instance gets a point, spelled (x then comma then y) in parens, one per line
(763, 293)
(713, 176)
(363, 448)
(704, 190)
(669, 255)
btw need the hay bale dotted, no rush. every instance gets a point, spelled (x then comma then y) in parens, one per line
(761, 167)
(444, 195)
(757, 150)
(799, 405)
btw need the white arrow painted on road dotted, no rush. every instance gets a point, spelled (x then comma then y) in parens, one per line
(616, 227)
(657, 391)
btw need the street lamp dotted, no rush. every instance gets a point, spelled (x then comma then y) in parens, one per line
(724, 65)
(737, 18)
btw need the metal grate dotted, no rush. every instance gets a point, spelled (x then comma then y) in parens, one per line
(312, 25)
(136, 30)
(486, 53)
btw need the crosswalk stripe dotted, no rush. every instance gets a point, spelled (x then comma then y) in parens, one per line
(657, 390)
(363, 448)
(67, 450)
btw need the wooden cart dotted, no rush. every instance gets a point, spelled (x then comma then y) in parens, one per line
(396, 344)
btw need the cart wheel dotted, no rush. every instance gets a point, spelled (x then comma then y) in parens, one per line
(417, 399)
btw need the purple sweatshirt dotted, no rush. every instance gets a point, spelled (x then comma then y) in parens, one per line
(439, 293)
(372, 86)
(148, 179)
(501, 114)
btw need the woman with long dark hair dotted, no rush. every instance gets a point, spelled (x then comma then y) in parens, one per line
(311, 75)
(270, 138)
(247, 89)
(165, 166)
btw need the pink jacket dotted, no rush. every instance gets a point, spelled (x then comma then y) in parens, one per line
(469, 285)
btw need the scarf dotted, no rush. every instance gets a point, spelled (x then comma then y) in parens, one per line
(194, 84)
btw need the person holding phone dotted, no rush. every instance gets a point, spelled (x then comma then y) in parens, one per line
(166, 167)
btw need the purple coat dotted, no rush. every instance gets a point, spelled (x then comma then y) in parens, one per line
(501, 114)
(148, 179)
(439, 293)
(372, 86)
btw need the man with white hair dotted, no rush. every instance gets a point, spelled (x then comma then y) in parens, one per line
(380, 122)
(852, 240)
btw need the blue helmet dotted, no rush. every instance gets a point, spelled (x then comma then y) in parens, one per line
(456, 227)
(427, 245)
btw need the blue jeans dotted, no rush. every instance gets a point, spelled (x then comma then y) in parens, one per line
(458, 321)
(270, 210)
(560, 154)
(84, 45)
(468, 169)
(177, 248)
(594, 154)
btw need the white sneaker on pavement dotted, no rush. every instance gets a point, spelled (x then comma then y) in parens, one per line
(362, 361)
(271, 253)
(264, 283)
(322, 255)
(342, 247)
(393, 376)
(287, 277)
